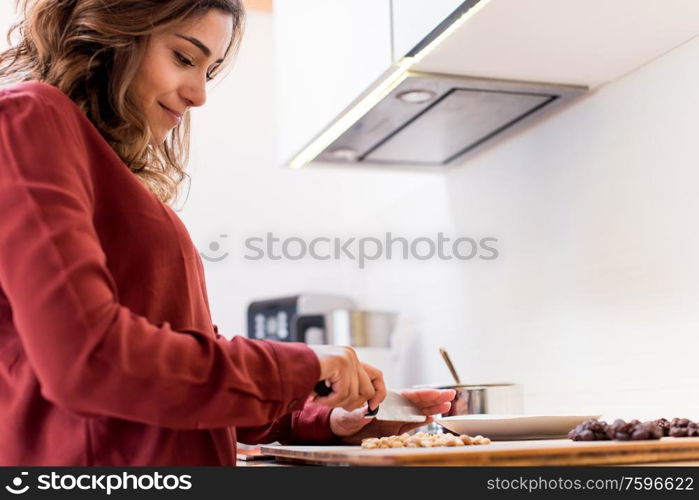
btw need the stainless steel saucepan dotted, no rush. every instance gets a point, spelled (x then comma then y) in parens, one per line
(505, 398)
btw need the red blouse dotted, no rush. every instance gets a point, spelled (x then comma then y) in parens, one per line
(108, 355)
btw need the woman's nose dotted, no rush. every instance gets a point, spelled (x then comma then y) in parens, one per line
(194, 94)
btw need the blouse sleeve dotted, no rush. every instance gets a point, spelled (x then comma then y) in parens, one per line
(89, 353)
(309, 425)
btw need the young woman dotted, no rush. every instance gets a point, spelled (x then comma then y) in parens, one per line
(108, 355)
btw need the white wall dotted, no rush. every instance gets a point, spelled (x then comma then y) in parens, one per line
(592, 305)
(7, 18)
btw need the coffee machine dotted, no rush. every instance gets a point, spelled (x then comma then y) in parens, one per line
(327, 319)
(271, 319)
(353, 327)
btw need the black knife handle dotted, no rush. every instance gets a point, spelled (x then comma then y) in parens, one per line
(372, 413)
(322, 388)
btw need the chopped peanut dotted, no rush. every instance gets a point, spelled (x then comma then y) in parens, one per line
(423, 440)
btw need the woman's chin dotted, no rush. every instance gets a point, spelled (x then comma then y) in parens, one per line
(158, 139)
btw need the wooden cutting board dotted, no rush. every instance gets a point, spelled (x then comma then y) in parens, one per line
(524, 453)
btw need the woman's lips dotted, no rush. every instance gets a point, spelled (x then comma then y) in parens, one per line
(175, 117)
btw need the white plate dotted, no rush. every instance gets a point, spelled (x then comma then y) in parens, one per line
(511, 427)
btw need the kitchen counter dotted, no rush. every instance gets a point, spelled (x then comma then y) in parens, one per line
(550, 452)
(271, 462)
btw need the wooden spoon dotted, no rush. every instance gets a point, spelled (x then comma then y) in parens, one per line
(450, 365)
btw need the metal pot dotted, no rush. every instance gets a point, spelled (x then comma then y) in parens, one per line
(485, 398)
(351, 327)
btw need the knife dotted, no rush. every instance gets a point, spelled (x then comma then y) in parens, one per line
(394, 407)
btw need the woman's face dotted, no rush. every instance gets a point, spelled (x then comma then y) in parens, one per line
(176, 66)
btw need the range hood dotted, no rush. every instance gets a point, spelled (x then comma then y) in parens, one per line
(439, 120)
(489, 68)
(412, 117)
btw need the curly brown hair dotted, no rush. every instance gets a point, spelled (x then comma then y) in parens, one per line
(90, 50)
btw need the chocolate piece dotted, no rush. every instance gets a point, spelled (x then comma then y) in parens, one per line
(678, 432)
(664, 425)
(590, 430)
(682, 427)
(620, 430)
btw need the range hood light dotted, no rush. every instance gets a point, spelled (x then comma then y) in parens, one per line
(345, 154)
(416, 96)
(396, 75)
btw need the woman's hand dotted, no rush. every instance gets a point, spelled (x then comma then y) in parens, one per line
(353, 383)
(353, 426)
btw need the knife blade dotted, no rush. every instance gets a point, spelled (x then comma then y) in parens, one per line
(394, 407)
(398, 408)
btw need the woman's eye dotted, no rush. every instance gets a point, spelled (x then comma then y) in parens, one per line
(188, 62)
(183, 60)
(212, 74)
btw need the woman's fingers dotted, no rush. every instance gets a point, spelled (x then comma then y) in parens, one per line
(378, 386)
(364, 388)
(339, 365)
(424, 398)
(436, 409)
(431, 401)
(340, 389)
(353, 383)
(352, 398)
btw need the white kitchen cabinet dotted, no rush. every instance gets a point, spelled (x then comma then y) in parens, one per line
(329, 51)
(326, 53)
(413, 20)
